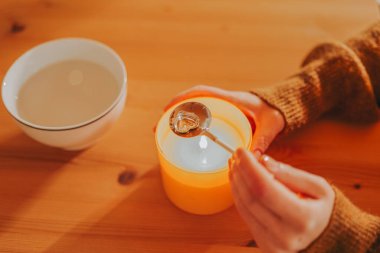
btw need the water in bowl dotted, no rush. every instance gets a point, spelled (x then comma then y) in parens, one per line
(67, 93)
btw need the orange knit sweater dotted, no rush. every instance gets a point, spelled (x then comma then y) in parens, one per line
(331, 73)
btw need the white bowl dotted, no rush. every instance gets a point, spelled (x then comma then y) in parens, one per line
(73, 137)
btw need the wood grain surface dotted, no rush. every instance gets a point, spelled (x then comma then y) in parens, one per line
(57, 201)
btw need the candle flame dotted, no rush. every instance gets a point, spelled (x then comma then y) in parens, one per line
(203, 142)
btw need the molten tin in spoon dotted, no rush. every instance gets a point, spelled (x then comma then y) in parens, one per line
(192, 119)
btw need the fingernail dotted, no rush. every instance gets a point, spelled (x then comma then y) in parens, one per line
(269, 163)
(235, 162)
(257, 153)
(265, 158)
(231, 165)
(234, 156)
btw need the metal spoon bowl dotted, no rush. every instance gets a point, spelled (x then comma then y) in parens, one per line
(191, 119)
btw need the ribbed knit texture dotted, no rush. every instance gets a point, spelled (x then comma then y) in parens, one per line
(332, 79)
(342, 79)
(367, 47)
(350, 229)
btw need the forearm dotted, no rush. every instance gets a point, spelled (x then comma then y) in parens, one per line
(350, 230)
(332, 79)
(367, 46)
(344, 78)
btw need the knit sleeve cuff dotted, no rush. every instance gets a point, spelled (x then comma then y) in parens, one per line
(296, 98)
(350, 230)
(332, 79)
(366, 45)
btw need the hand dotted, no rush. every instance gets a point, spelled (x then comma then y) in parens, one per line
(285, 208)
(269, 121)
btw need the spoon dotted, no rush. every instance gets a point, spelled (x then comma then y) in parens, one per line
(192, 119)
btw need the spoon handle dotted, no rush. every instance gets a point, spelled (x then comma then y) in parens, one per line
(218, 141)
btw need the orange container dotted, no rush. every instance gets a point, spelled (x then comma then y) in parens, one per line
(199, 190)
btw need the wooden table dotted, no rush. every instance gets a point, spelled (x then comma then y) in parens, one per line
(57, 201)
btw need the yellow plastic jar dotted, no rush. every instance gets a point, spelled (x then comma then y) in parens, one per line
(197, 191)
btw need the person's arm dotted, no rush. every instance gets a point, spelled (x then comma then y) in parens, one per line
(343, 79)
(367, 47)
(335, 77)
(290, 210)
(350, 230)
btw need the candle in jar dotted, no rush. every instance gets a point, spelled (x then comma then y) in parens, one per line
(195, 170)
(200, 154)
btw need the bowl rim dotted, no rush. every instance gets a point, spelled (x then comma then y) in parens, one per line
(121, 93)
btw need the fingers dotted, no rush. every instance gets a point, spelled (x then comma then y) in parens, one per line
(266, 131)
(278, 219)
(265, 188)
(265, 216)
(270, 123)
(240, 189)
(296, 179)
(261, 141)
(199, 91)
(258, 228)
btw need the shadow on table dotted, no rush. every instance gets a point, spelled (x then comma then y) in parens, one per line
(145, 221)
(25, 167)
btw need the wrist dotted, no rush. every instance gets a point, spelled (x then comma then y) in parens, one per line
(349, 230)
(277, 116)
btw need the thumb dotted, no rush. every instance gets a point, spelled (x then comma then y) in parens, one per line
(297, 180)
(262, 138)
